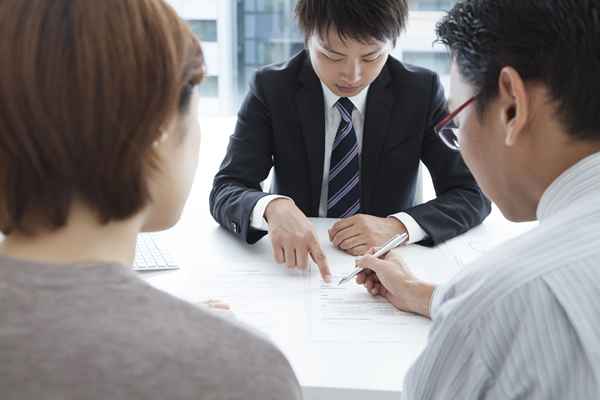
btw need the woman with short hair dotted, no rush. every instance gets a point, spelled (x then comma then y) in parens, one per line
(99, 141)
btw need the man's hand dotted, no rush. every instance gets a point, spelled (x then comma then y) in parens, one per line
(392, 279)
(357, 234)
(293, 237)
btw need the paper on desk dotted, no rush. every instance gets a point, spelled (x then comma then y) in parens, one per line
(259, 291)
(349, 313)
(442, 263)
(265, 295)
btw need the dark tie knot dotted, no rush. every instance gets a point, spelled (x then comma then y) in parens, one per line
(346, 105)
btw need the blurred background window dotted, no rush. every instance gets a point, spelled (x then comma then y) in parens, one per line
(240, 36)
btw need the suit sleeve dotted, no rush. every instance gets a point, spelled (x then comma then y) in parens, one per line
(460, 205)
(249, 158)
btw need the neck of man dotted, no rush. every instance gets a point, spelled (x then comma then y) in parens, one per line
(554, 160)
(82, 240)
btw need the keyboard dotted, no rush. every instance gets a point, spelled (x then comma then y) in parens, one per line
(149, 256)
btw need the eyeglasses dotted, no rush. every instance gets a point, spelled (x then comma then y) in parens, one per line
(447, 129)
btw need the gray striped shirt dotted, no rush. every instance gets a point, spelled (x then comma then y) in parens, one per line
(524, 321)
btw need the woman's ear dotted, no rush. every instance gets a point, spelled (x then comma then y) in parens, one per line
(164, 135)
(514, 105)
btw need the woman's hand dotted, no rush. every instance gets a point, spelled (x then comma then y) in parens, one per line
(217, 305)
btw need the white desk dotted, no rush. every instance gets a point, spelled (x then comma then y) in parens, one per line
(327, 369)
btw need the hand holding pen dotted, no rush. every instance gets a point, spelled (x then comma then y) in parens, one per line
(389, 245)
(392, 279)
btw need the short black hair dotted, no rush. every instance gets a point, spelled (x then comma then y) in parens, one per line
(552, 42)
(361, 20)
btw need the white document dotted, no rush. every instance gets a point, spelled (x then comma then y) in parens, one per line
(288, 303)
(260, 293)
(349, 313)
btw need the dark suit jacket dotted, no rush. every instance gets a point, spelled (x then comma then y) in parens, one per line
(281, 124)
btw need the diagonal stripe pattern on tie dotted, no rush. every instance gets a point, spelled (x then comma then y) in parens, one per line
(343, 199)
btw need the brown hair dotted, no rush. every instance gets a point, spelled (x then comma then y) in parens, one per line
(85, 87)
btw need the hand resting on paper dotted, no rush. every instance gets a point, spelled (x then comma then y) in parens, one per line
(356, 234)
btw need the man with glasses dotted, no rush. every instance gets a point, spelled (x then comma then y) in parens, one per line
(523, 322)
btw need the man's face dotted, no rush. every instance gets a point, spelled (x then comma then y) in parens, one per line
(347, 66)
(497, 168)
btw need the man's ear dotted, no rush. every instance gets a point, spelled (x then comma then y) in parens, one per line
(514, 104)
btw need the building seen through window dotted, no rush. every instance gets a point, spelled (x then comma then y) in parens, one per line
(240, 36)
(267, 34)
(431, 5)
(206, 30)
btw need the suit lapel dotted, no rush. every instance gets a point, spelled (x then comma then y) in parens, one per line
(311, 111)
(380, 101)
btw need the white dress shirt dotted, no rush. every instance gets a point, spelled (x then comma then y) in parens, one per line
(523, 322)
(332, 123)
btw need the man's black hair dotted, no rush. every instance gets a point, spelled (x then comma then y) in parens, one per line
(361, 20)
(553, 42)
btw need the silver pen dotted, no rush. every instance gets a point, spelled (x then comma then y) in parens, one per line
(389, 245)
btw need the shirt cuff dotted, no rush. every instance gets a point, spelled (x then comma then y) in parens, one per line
(436, 301)
(257, 218)
(415, 232)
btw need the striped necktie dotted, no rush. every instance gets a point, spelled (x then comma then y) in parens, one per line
(343, 199)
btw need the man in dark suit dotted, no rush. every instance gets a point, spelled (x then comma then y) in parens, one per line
(344, 125)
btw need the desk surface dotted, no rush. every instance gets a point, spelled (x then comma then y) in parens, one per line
(214, 264)
(327, 369)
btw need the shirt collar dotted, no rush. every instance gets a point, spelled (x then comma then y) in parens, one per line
(359, 101)
(579, 182)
